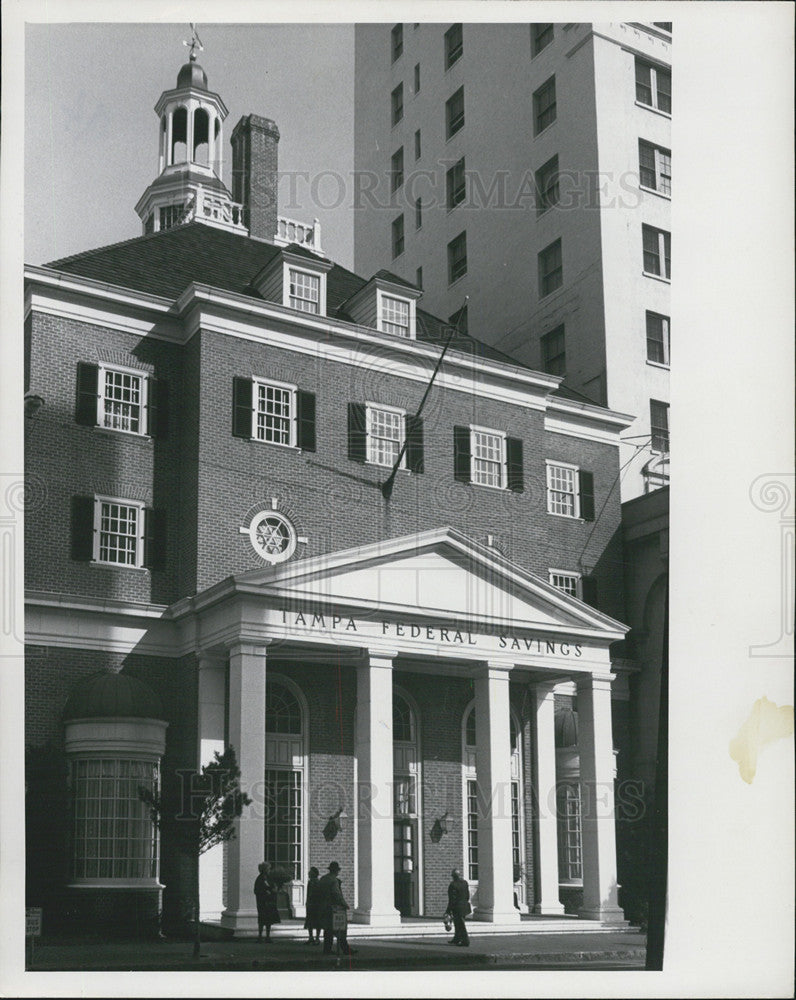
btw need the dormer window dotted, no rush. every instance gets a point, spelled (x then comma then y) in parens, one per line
(295, 279)
(387, 302)
(394, 315)
(305, 291)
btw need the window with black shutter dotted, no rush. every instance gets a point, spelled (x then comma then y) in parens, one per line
(82, 528)
(414, 444)
(589, 590)
(158, 415)
(87, 394)
(155, 539)
(461, 454)
(514, 471)
(241, 407)
(305, 405)
(586, 488)
(357, 432)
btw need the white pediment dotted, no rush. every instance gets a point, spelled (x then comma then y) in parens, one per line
(438, 574)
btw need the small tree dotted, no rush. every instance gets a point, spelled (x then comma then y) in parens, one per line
(207, 814)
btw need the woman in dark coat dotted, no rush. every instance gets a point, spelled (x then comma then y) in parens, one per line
(265, 894)
(314, 918)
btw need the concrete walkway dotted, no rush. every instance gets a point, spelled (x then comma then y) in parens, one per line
(584, 949)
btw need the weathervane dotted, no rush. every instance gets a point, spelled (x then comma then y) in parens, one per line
(195, 42)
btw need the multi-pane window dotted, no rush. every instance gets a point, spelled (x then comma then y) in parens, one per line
(516, 847)
(405, 795)
(122, 400)
(572, 861)
(554, 357)
(397, 103)
(541, 37)
(396, 41)
(419, 277)
(282, 711)
(657, 251)
(394, 316)
(305, 291)
(551, 269)
(417, 77)
(659, 426)
(653, 85)
(457, 258)
(658, 338)
(454, 113)
(417, 144)
(402, 721)
(418, 213)
(544, 106)
(547, 192)
(562, 490)
(120, 533)
(171, 215)
(488, 458)
(472, 829)
(283, 808)
(385, 435)
(455, 184)
(397, 169)
(113, 835)
(569, 583)
(398, 235)
(655, 167)
(273, 413)
(453, 45)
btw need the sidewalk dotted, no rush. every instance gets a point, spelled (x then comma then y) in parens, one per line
(583, 950)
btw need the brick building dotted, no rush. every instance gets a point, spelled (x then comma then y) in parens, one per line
(414, 678)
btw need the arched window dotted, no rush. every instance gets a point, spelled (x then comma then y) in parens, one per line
(285, 780)
(402, 721)
(179, 136)
(407, 842)
(201, 137)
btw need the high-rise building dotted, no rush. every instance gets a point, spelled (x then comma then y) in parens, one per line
(528, 167)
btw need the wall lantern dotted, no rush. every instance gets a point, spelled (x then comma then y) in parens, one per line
(335, 824)
(439, 828)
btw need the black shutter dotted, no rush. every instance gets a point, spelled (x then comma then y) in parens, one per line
(589, 590)
(83, 528)
(305, 415)
(86, 404)
(158, 405)
(155, 538)
(414, 444)
(461, 454)
(357, 432)
(514, 476)
(586, 495)
(241, 407)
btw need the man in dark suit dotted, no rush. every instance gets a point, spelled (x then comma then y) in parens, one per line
(459, 907)
(330, 900)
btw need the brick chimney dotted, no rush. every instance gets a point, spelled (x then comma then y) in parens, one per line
(255, 173)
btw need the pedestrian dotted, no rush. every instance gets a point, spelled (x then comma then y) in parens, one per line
(265, 893)
(313, 922)
(333, 905)
(459, 907)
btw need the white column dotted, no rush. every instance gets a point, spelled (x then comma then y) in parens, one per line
(547, 822)
(373, 748)
(189, 132)
(211, 680)
(247, 736)
(493, 768)
(598, 830)
(169, 137)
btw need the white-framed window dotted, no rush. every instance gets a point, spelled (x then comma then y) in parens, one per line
(396, 315)
(113, 836)
(488, 450)
(305, 291)
(284, 789)
(118, 532)
(472, 830)
(274, 413)
(570, 858)
(659, 426)
(654, 85)
(658, 338)
(655, 167)
(122, 399)
(657, 252)
(562, 489)
(385, 434)
(568, 583)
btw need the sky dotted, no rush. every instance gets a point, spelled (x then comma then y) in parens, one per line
(91, 135)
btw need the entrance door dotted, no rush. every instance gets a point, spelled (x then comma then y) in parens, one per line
(405, 867)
